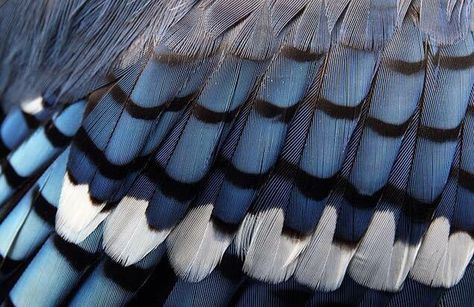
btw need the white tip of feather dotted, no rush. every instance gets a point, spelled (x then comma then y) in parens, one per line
(196, 245)
(272, 256)
(443, 257)
(323, 264)
(380, 263)
(32, 106)
(336, 266)
(127, 236)
(243, 237)
(77, 216)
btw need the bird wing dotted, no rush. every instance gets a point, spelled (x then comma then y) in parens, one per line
(217, 152)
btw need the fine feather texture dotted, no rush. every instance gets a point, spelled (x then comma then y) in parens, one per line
(32, 219)
(186, 152)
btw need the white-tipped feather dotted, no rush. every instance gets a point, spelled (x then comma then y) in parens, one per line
(127, 236)
(322, 265)
(272, 256)
(244, 234)
(381, 263)
(196, 245)
(443, 257)
(126, 32)
(336, 266)
(32, 106)
(77, 215)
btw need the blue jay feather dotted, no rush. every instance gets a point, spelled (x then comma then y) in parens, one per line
(247, 153)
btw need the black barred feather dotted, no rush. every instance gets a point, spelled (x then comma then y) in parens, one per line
(61, 263)
(249, 153)
(113, 284)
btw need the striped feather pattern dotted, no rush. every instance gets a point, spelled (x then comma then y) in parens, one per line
(270, 152)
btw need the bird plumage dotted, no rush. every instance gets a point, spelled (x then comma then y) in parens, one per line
(271, 152)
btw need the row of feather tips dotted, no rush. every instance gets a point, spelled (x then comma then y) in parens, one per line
(81, 54)
(63, 49)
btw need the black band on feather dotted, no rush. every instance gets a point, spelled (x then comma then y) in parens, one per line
(55, 136)
(269, 110)
(300, 55)
(169, 186)
(44, 209)
(386, 129)
(457, 63)
(118, 94)
(129, 278)
(238, 177)
(31, 121)
(359, 200)
(212, 117)
(148, 113)
(94, 200)
(294, 233)
(418, 211)
(71, 178)
(406, 68)
(286, 169)
(393, 195)
(139, 112)
(466, 180)
(97, 201)
(439, 135)
(223, 226)
(338, 111)
(136, 111)
(314, 187)
(77, 257)
(112, 171)
(8, 265)
(96, 96)
(4, 150)
(12, 177)
(179, 103)
(456, 229)
(350, 243)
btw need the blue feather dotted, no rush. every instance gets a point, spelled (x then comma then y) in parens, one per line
(111, 284)
(29, 223)
(56, 268)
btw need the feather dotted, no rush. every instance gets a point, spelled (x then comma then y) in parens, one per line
(459, 294)
(43, 146)
(210, 152)
(368, 24)
(446, 22)
(217, 289)
(18, 124)
(127, 235)
(196, 245)
(111, 284)
(365, 268)
(453, 246)
(61, 265)
(32, 219)
(106, 129)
